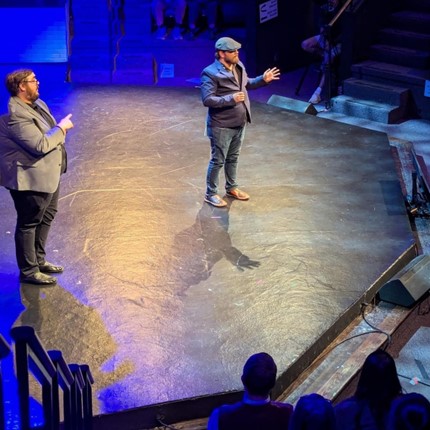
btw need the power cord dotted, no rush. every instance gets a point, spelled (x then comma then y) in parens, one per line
(160, 419)
(373, 331)
(364, 305)
(410, 379)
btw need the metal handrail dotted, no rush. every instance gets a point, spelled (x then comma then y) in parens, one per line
(52, 372)
(327, 34)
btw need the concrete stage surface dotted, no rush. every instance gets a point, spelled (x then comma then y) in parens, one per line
(165, 296)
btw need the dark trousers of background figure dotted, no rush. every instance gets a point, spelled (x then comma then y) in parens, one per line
(209, 8)
(225, 149)
(35, 213)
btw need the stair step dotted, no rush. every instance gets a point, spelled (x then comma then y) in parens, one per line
(378, 92)
(91, 60)
(406, 39)
(411, 20)
(401, 56)
(134, 76)
(422, 5)
(96, 76)
(380, 71)
(85, 44)
(135, 61)
(367, 109)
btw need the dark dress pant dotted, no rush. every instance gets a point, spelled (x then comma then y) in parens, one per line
(35, 213)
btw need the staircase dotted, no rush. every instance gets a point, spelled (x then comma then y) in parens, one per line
(389, 85)
(95, 28)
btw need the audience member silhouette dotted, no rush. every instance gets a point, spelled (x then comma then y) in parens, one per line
(313, 412)
(320, 45)
(177, 9)
(377, 387)
(410, 412)
(256, 410)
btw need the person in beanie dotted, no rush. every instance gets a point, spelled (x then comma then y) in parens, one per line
(224, 90)
(256, 410)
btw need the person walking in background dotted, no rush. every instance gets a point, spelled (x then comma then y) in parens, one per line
(159, 9)
(224, 91)
(256, 411)
(313, 412)
(378, 386)
(32, 158)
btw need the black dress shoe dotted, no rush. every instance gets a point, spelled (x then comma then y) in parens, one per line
(39, 279)
(48, 267)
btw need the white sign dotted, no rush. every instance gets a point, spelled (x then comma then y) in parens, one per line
(427, 89)
(167, 70)
(268, 10)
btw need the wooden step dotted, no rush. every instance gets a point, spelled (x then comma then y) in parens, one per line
(401, 56)
(376, 91)
(418, 5)
(383, 72)
(411, 21)
(406, 39)
(367, 109)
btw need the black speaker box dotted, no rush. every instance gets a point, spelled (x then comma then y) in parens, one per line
(292, 104)
(409, 285)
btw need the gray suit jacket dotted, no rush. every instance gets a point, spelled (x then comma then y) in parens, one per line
(31, 150)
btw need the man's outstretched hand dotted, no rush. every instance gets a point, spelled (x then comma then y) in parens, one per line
(271, 74)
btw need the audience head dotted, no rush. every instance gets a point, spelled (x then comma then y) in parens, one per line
(410, 412)
(313, 412)
(378, 379)
(259, 374)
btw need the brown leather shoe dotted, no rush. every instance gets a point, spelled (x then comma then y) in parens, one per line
(48, 267)
(238, 194)
(38, 278)
(215, 200)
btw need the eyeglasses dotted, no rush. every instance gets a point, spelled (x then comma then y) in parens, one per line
(232, 51)
(32, 81)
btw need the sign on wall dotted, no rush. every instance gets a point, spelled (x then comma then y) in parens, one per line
(268, 10)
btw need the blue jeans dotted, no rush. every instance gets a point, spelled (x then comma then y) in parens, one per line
(225, 150)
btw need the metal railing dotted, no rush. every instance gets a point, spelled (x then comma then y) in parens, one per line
(329, 47)
(52, 372)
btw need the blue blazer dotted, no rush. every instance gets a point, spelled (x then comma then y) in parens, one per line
(217, 88)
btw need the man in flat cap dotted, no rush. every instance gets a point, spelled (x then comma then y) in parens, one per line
(224, 86)
(256, 410)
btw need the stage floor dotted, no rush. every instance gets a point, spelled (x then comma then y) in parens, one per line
(165, 296)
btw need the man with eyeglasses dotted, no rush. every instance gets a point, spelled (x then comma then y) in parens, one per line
(224, 90)
(32, 158)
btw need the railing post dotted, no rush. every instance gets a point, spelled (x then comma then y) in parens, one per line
(87, 397)
(64, 380)
(77, 397)
(4, 352)
(22, 374)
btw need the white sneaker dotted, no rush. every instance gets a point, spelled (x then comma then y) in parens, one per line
(316, 98)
